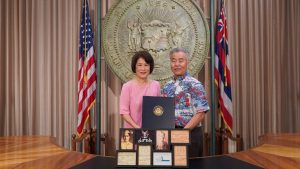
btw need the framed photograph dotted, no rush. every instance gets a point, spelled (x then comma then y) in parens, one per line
(162, 142)
(126, 159)
(144, 155)
(180, 136)
(126, 139)
(144, 136)
(180, 156)
(162, 159)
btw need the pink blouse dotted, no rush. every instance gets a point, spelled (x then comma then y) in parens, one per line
(132, 97)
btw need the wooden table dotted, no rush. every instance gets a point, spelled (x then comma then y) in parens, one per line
(274, 151)
(279, 151)
(37, 152)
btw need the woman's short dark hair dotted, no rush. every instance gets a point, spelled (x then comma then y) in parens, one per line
(146, 56)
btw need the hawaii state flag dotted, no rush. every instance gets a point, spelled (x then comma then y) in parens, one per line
(222, 69)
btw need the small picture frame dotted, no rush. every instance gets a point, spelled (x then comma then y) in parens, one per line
(162, 159)
(162, 142)
(144, 155)
(144, 136)
(126, 158)
(180, 136)
(126, 139)
(180, 156)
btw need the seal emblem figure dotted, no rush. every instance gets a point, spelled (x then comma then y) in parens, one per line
(156, 26)
(158, 110)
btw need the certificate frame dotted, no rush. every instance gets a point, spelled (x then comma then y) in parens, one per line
(126, 145)
(149, 156)
(180, 136)
(159, 146)
(145, 136)
(162, 159)
(179, 150)
(160, 110)
(127, 154)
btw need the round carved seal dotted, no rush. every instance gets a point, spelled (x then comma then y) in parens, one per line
(156, 26)
(158, 110)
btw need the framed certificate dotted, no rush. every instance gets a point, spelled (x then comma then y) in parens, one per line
(180, 136)
(162, 159)
(180, 156)
(144, 155)
(158, 112)
(126, 139)
(162, 142)
(126, 159)
(144, 136)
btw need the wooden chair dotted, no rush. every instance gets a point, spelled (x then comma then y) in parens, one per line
(87, 142)
(222, 138)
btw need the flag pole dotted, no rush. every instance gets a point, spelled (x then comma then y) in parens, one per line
(212, 89)
(98, 95)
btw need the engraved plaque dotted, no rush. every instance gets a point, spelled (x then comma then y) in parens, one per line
(156, 26)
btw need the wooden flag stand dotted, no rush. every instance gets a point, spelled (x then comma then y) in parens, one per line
(87, 142)
(222, 137)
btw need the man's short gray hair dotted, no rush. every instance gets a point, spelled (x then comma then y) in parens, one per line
(176, 50)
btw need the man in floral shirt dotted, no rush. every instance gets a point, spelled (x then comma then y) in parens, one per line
(190, 100)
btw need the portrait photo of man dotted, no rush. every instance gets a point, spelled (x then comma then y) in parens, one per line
(162, 140)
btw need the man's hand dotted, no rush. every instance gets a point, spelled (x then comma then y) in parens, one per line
(195, 120)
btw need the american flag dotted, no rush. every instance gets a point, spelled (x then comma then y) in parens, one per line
(86, 69)
(222, 70)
